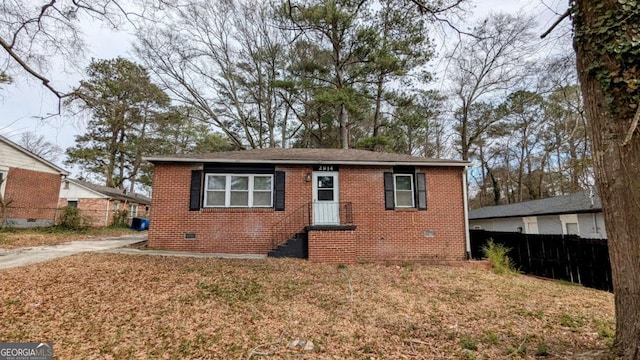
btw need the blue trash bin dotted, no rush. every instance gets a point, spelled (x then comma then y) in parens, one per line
(139, 224)
(144, 224)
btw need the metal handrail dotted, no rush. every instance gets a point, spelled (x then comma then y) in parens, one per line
(331, 213)
(289, 225)
(297, 220)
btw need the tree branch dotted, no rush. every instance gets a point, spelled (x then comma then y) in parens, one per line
(556, 23)
(30, 70)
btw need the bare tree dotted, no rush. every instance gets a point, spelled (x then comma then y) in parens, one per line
(40, 146)
(32, 31)
(489, 64)
(224, 59)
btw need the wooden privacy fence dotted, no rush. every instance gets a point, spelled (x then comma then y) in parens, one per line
(562, 257)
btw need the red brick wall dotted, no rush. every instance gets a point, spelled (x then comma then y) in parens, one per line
(33, 194)
(333, 246)
(98, 213)
(95, 210)
(402, 234)
(380, 234)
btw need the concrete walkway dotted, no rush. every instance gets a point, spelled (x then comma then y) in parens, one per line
(31, 255)
(131, 251)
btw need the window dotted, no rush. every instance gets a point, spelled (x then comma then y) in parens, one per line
(403, 189)
(72, 203)
(133, 210)
(3, 180)
(571, 228)
(530, 225)
(235, 190)
(570, 224)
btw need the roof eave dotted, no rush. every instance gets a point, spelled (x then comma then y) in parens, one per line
(584, 211)
(104, 196)
(34, 156)
(309, 162)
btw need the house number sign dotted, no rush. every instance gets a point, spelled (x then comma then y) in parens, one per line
(325, 168)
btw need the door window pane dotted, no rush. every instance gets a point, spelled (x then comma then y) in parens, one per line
(325, 195)
(325, 182)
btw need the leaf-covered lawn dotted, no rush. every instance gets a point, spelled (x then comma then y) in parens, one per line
(123, 306)
(18, 238)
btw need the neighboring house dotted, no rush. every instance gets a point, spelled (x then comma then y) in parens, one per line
(349, 205)
(579, 214)
(29, 184)
(100, 203)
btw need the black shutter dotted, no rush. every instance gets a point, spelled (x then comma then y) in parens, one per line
(278, 196)
(196, 182)
(389, 202)
(421, 191)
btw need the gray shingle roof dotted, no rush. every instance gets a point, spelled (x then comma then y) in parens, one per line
(579, 202)
(307, 156)
(114, 193)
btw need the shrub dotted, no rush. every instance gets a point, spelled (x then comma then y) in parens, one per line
(497, 255)
(73, 219)
(120, 218)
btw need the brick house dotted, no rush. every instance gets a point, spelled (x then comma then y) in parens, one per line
(29, 184)
(327, 205)
(100, 203)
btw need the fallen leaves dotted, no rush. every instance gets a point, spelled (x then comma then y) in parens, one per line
(119, 306)
(19, 238)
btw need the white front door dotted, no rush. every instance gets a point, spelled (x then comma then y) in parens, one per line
(326, 203)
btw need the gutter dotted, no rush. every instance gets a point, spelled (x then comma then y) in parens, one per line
(466, 213)
(309, 162)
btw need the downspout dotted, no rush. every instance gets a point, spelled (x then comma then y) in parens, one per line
(466, 213)
(106, 215)
(595, 225)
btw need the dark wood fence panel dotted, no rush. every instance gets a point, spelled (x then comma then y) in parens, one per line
(562, 257)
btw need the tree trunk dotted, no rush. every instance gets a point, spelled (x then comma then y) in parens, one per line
(344, 130)
(610, 108)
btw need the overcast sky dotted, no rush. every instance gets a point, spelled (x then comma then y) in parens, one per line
(25, 101)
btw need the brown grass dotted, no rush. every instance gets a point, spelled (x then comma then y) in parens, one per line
(19, 238)
(119, 306)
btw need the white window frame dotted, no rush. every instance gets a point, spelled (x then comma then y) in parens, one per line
(395, 191)
(527, 224)
(227, 191)
(567, 219)
(131, 212)
(3, 186)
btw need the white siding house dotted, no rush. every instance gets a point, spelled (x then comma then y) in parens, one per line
(574, 214)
